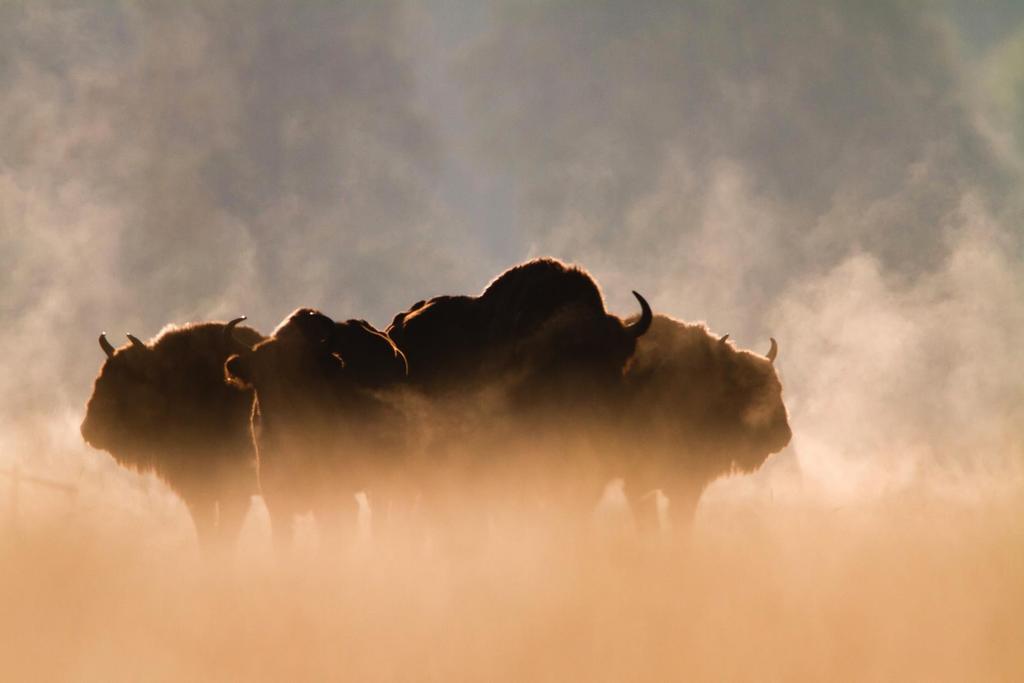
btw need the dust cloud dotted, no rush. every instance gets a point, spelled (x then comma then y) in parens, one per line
(904, 587)
(841, 176)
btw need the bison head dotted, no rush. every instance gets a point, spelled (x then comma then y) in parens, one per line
(313, 366)
(714, 404)
(127, 404)
(290, 366)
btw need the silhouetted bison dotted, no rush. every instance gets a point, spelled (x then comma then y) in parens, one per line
(702, 409)
(516, 377)
(163, 407)
(323, 430)
(540, 329)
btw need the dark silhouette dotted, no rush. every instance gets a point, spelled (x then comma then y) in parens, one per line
(540, 329)
(525, 369)
(702, 409)
(530, 386)
(323, 427)
(163, 407)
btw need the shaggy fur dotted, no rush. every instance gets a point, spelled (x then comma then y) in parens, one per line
(324, 430)
(163, 408)
(540, 329)
(702, 409)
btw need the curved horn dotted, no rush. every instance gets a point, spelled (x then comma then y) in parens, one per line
(773, 352)
(229, 337)
(105, 345)
(724, 338)
(644, 322)
(135, 341)
(229, 333)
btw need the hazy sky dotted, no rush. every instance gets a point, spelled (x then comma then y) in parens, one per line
(844, 176)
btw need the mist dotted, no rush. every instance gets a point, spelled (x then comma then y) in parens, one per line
(841, 176)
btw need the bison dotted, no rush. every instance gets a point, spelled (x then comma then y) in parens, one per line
(541, 328)
(526, 367)
(324, 430)
(702, 409)
(163, 407)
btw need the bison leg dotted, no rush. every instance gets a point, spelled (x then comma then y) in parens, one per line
(232, 508)
(646, 515)
(683, 496)
(282, 525)
(203, 511)
(390, 513)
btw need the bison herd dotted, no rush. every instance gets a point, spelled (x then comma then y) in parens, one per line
(530, 395)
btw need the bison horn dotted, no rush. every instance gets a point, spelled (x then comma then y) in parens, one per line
(105, 345)
(229, 333)
(724, 338)
(773, 352)
(135, 341)
(644, 322)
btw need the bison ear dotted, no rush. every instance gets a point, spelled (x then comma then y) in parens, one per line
(238, 372)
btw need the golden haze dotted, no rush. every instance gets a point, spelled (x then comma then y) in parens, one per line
(786, 586)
